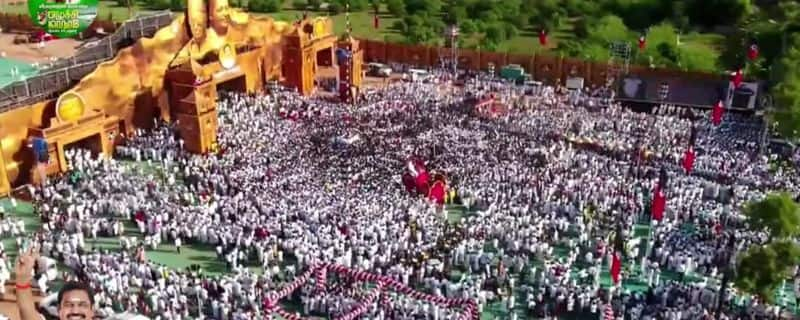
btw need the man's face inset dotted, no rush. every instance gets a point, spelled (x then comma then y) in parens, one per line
(43, 17)
(75, 305)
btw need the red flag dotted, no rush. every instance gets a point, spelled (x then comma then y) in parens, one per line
(642, 42)
(437, 192)
(422, 181)
(716, 113)
(752, 52)
(616, 267)
(543, 37)
(659, 204)
(688, 159)
(376, 22)
(737, 78)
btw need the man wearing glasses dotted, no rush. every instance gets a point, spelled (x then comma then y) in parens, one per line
(75, 299)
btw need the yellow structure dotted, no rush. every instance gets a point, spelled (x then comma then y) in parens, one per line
(5, 185)
(351, 71)
(311, 43)
(175, 76)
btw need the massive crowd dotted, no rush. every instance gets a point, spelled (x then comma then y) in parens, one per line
(541, 184)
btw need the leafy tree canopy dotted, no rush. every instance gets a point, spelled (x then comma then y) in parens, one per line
(609, 29)
(776, 214)
(762, 269)
(786, 116)
(712, 13)
(584, 28)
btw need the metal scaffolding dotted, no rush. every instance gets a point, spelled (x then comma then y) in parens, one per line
(619, 60)
(448, 55)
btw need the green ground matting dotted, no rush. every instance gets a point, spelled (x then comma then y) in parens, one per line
(6, 65)
(205, 256)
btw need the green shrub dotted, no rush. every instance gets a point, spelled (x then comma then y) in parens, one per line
(176, 5)
(300, 4)
(266, 6)
(157, 4)
(335, 7)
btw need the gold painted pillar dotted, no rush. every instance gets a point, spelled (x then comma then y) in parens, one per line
(196, 116)
(5, 185)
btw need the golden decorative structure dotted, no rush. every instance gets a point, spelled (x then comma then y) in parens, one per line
(70, 107)
(227, 57)
(173, 76)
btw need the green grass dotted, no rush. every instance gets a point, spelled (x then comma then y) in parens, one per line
(23, 211)
(6, 65)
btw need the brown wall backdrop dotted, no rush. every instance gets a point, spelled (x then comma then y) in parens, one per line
(546, 68)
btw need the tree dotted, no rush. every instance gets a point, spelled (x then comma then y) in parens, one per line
(679, 17)
(712, 13)
(512, 12)
(335, 7)
(296, 4)
(583, 8)
(545, 14)
(399, 26)
(314, 4)
(640, 14)
(157, 4)
(581, 27)
(264, 5)
(396, 7)
(662, 49)
(375, 5)
(422, 28)
(495, 34)
(733, 52)
(668, 52)
(764, 266)
(356, 5)
(609, 29)
(341, 5)
(510, 30)
(177, 5)
(429, 7)
(697, 58)
(467, 27)
(569, 47)
(762, 269)
(777, 214)
(456, 15)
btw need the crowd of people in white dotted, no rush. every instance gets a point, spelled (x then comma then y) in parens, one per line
(298, 180)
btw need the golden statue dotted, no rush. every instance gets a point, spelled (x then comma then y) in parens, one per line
(197, 15)
(220, 14)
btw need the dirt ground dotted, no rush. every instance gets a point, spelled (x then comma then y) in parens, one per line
(59, 48)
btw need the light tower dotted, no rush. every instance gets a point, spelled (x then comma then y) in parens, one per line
(619, 61)
(349, 59)
(451, 33)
